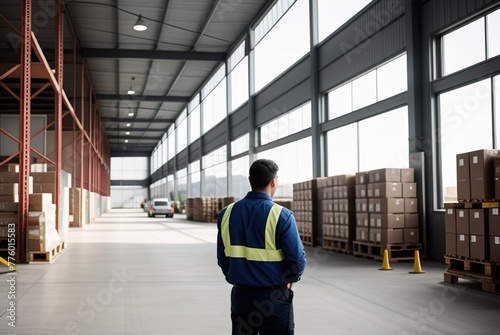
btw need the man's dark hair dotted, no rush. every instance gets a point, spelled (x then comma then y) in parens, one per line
(262, 171)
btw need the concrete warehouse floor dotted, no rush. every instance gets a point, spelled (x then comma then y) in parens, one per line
(129, 274)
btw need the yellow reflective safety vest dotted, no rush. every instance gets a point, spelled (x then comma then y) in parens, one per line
(269, 254)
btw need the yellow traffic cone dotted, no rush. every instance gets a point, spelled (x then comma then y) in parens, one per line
(385, 262)
(416, 265)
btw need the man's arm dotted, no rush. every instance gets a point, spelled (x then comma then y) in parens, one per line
(293, 249)
(222, 260)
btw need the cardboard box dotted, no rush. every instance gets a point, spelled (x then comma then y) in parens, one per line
(9, 189)
(43, 177)
(39, 201)
(361, 178)
(411, 220)
(386, 205)
(481, 163)
(385, 190)
(408, 175)
(384, 175)
(346, 180)
(463, 169)
(9, 177)
(450, 221)
(387, 221)
(451, 244)
(362, 219)
(462, 219)
(497, 188)
(9, 206)
(386, 236)
(494, 221)
(411, 205)
(361, 191)
(328, 218)
(479, 247)
(463, 245)
(482, 189)
(409, 190)
(9, 198)
(8, 217)
(327, 205)
(494, 248)
(478, 221)
(411, 235)
(362, 234)
(463, 190)
(361, 205)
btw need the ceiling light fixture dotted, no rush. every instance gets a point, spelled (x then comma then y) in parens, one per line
(140, 25)
(128, 124)
(127, 133)
(131, 114)
(126, 141)
(131, 90)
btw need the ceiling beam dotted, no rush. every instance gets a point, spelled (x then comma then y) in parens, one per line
(154, 54)
(152, 98)
(127, 137)
(120, 120)
(123, 129)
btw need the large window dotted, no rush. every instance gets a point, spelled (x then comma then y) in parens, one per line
(194, 124)
(471, 44)
(343, 150)
(194, 179)
(383, 140)
(381, 83)
(376, 142)
(295, 165)
(215, 173)
(334, 13)
(182, 132)
(284, 44)
(238, 65)
(240, 145)
(181, 177)
(465, 124)
(129, 168)
(286, 124)
(214, 102)
(239, 177)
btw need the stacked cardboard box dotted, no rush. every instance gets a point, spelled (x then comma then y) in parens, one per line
(189, 208)
(472, 224)
(42, 233)
(306, 208)
(476, 175)
(205, 209)
(76, 205)
(387, 206)
(338, 212)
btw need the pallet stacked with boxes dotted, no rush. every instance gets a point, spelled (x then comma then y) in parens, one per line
(305, 207)
(338, 213)
(43, 242)
(386, 214)
(472, 225)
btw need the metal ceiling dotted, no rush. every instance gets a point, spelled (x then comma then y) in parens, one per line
(185, 42)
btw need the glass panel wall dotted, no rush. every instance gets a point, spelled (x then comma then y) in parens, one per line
(465, 124)
(381, 83)
(240, 145)
(194, 180)
(284, 44)
(342, 144)
(215, 173)
(332, 14)
(474, 42)
(295, 165)
(239, 177)
(286, 124)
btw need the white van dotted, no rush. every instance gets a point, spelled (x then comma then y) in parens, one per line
(160, 206)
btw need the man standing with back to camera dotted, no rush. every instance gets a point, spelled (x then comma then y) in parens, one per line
(260, 253)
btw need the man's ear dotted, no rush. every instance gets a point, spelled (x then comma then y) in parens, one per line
(273, 182)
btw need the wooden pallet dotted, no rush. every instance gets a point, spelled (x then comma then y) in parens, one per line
(37, 257)
(342, 245)
(307, 240)
(396, 252)
(480, 267)
(488, 284)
